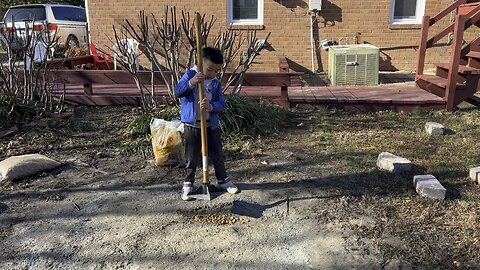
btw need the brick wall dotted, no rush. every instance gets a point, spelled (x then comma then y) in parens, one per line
(289, 22)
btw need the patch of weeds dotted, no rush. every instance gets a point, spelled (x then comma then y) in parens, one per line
(421, 113)
(245, 119)
(139, 126)
(137, 137)
(238, 143)
(13, 112)
(249, 117)
(137, 146)
(464, 204)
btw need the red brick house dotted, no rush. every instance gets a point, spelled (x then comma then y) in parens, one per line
(391, 25)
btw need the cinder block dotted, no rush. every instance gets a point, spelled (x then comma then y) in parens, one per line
(393, 163)
(428, 186)
(433, 128)
(475, 174)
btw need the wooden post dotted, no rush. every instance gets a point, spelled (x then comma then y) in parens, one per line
(454, 61)
(422, 48)
(283, 64)
(283, 67)
(285, 103)
(87, 88)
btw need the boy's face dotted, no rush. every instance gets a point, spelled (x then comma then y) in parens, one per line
(210, 69)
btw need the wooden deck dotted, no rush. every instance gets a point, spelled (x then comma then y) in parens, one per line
(401, 97)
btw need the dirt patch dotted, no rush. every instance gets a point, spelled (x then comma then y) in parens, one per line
(311, 199)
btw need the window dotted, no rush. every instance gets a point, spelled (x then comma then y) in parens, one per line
(407, 11)
(26, 14)
(69, 14)
(245, 12)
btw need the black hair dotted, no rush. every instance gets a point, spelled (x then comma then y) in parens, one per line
(212, 54)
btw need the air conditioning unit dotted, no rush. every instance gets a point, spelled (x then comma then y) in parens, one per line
(315, 5)
(353, 64)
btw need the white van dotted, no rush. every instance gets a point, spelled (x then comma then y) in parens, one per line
(67, 22)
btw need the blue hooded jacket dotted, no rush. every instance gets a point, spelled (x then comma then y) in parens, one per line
(187, 100)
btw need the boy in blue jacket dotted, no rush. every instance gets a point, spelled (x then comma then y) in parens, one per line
(190, 106)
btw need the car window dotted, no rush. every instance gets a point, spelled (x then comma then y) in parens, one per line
(69, 14)
(25, 14)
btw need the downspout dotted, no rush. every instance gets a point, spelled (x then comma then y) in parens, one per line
(312, 40)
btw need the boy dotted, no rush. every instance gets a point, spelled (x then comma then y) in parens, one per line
(190, 106)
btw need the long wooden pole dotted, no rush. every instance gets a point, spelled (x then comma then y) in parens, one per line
(203, 121)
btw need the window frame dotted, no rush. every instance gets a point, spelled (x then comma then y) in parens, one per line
(419, 10)
(258, 21)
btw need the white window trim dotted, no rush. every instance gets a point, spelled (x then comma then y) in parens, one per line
(258, 21)
(420, 11)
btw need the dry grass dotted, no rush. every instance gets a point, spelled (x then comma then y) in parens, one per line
(433, 234)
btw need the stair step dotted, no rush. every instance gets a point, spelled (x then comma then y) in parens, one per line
(461, 69)
(473, 54)
(474, 100)
(438, 81)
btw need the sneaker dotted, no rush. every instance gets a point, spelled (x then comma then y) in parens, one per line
(229, 187)
(187, 188)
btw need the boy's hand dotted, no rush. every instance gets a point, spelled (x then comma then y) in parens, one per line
(199, 77)
(205, 105)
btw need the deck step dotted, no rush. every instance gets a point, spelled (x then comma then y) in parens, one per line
(438, 81)
(474, 100)
(426, 81)
(461, 69)
(473, 54)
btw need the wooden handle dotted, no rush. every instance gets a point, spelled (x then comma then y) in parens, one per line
(203, 120)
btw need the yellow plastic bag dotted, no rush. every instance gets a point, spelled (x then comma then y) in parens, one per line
(167, 142)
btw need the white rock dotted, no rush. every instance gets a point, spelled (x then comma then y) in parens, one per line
(475, 174)
(428, 186)
(433, 128)
(393, 163)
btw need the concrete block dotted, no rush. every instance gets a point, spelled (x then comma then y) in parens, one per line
(393, 163)
(475, 174)
(428, 186)
(433, 128)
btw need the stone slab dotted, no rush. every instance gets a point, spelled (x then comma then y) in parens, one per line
(393, 163)
(428, 186)
(475, 174)
(433, 128)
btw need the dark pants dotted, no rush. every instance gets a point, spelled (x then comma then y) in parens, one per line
(193, 152)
